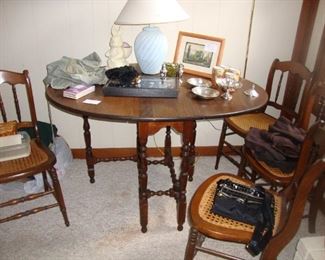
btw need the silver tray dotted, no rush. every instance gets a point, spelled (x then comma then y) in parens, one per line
(150, 86)
(205, 92)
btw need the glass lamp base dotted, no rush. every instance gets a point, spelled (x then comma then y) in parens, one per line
(150, 49)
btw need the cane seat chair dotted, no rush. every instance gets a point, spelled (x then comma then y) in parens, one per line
(275, 177)
(17, 88)
(279, 102)
(288, 207)
(279, 179)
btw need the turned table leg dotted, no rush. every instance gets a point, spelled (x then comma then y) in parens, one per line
(142, 138)
(188, 138)
(89, 151)
(192, 137)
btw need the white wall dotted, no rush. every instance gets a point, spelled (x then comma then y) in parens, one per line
(37, 32)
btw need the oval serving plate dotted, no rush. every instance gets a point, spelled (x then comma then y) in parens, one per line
(205, 92)
(199, 82)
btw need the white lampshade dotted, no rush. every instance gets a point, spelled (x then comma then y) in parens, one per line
(151, 45)
(138, 12)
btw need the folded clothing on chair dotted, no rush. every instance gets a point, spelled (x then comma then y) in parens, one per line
(279, 147)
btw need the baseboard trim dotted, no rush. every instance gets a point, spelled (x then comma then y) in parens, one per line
(79, 153)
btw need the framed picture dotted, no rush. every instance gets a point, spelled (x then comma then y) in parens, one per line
(198, 53)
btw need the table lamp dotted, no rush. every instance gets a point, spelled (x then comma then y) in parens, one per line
(150, 46)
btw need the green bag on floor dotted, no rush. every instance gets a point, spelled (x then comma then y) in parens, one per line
(45, 132)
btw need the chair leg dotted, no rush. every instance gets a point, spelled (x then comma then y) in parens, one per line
(243, 172)
(221, 143)
(45, 182)
(58, 195)
(242, 165)
(191, 244)
(316, 204)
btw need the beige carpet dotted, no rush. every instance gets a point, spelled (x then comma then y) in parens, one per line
(104, 219)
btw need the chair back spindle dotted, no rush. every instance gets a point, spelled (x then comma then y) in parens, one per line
(18, 113)
(322, 108)
(2, 109)
(278, 88)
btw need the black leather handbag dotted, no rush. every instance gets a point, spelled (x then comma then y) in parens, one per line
(251, 205)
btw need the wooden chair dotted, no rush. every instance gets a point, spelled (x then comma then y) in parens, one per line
(289, 206)
(40, 160)
(279, 179)
(274, 176)
(287, 102)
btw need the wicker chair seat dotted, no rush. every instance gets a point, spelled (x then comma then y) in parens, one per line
(274, 176)
(36, 159)
(276, 171)
(8, 128)
(244, 122)
(242, 230)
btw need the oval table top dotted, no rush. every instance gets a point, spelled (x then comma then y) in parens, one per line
(186, 106)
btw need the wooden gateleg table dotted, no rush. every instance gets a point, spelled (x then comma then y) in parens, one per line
(150, 115)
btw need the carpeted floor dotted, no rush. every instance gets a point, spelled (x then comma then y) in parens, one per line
(104, 219)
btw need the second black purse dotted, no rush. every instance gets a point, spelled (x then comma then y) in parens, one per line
(251, 205)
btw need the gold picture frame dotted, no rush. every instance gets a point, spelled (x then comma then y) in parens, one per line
(198, 53)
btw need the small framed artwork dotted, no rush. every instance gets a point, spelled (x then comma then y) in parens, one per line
(198, 53)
